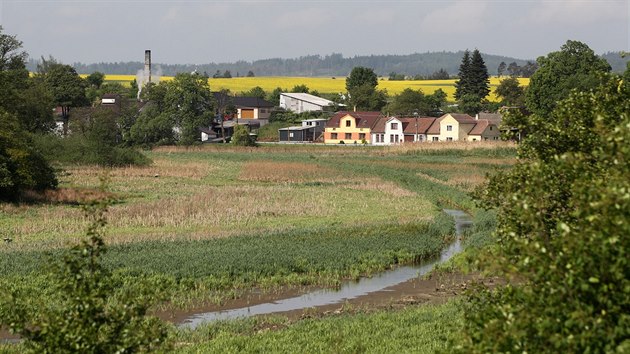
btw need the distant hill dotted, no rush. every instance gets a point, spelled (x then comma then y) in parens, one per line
(330, 65)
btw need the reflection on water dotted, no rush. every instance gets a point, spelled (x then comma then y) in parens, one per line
(349, 290)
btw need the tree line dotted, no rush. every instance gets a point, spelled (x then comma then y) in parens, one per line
(335, 64)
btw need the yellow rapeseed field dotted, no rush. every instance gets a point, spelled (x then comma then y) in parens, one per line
(325, 84)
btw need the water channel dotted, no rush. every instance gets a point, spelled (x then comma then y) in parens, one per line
(348, 290)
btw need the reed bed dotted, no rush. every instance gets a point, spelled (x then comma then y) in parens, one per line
(288, 172)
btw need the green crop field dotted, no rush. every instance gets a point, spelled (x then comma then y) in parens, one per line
(204, 224)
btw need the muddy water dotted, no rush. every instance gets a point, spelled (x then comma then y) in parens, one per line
(348, 290)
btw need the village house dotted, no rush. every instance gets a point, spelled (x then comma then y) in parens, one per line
(351, 127)
(252, 108)
(462, 127)
(304, 102)
(393, 130)
(310, 130)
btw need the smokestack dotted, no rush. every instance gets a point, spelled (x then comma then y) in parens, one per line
(147, 66)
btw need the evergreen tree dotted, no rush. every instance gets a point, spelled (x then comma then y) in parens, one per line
(463, 84)
(479, 79)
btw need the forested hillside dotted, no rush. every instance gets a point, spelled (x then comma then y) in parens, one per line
(334, 64)
(423, 64)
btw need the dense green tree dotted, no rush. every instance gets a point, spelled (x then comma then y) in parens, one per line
(440, 75)
(95, 79)
(27, 99)
(510, 92)
(501, 69)
(22, 167)
(408, 103)
(362, 92)
(474, 83)
(241, 136)
(462, 85)
(300, 88)
(562, 231)
(175, 111)
(361, 76)
(227, 74)
(436, 101)
(250, 74)
(574, 67)
(479, 78)
(274, 96)
(66, 86)
(255, 92)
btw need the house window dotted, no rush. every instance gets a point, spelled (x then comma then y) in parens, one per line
(490, 127)
(361, 136)
(435, 138)
(290, 134)
(333, 136)
(348, 123)
(474, 139)
(394, 126)
(449, 128)
(449, 139)
(348, 136)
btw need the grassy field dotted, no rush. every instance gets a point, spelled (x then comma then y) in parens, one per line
(325, 84)
(206, 223)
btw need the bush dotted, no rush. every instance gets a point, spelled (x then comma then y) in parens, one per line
(241, 137)
(87, 319)
(22, 167)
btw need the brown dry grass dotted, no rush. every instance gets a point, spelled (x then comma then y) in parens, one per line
(386, 187)
(450, 145)
(160, 168)
(287, 172)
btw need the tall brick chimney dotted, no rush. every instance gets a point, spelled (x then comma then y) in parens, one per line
(147, 66)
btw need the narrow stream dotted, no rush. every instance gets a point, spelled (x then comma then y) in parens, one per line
(349, 289)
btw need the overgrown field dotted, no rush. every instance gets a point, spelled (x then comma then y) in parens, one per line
(325, 84)
(204, 224)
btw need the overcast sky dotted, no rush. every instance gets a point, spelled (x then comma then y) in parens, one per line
(204, 31)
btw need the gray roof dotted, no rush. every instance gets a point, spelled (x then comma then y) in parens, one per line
(309, 98)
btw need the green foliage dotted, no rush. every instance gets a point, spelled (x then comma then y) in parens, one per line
(87, 320)
(300, 88)
(417, 329)
(360, 76)
(79, 149)
(255, 92)
(241, 137)
(562, 230)
(66, 86)
(510, 92)
(574, 67)
(175, 111)
(22, 167)
(474, 83)
(27, 99)
(410, 102)
(95, 79)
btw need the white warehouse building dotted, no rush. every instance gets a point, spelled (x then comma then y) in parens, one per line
(304, 102)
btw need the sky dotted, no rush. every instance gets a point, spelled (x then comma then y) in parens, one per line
(207, 31)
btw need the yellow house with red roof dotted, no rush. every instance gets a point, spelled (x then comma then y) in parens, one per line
(350, 127)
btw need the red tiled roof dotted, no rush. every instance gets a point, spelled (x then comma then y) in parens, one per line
(424, 123)
(480, 127)
(434, 128)
(364, 119)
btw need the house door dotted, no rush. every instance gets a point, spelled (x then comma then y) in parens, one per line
(247, 114)
(408, 138)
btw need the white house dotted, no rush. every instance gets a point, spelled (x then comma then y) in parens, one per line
(392, 130)
(304, 102)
